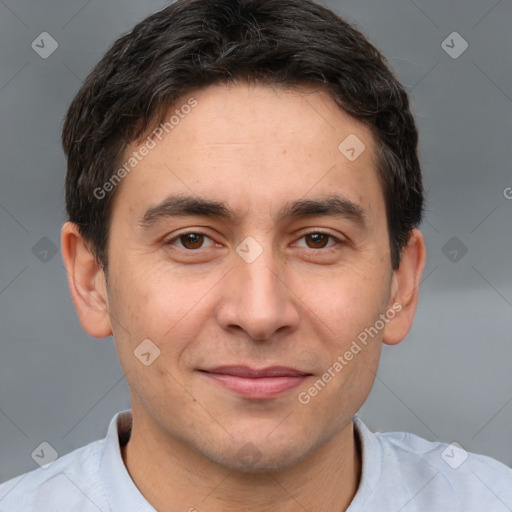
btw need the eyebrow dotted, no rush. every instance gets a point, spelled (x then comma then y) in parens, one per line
(179, 205)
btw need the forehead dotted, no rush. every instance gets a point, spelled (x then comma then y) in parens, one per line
(255, 146)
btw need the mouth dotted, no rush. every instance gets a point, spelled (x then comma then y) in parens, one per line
(256, 384)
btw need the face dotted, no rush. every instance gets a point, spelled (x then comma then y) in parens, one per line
(251, 301)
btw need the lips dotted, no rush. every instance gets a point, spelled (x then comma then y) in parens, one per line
(244, 371)
(257, 384)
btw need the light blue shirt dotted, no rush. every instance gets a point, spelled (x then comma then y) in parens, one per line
(401, 473)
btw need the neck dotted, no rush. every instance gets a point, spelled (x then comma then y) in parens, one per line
(172, 476)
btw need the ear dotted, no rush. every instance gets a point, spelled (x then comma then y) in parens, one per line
(87, 283)
(405, 289)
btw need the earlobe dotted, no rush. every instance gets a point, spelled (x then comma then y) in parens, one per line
(405, 289)
(86, 282)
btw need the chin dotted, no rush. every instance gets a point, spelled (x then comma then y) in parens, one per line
(252, 460)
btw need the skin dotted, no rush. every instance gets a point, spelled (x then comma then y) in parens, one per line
(255, 148)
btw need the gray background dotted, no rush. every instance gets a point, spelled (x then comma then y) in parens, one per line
(449, 380)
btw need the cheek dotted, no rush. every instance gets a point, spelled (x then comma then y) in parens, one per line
(348, 301)
(155, 323)
(353, 311)
(158, 305)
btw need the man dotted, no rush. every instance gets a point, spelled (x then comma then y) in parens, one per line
(244, 194)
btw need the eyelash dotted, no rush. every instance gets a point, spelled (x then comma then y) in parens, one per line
(314, 232)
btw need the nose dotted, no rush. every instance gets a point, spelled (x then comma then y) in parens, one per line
(258, 298)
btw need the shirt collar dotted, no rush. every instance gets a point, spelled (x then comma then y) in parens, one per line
(121, 492)
(371, 466)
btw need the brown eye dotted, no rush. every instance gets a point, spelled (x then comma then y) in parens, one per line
(318, 240)
(192, 240)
